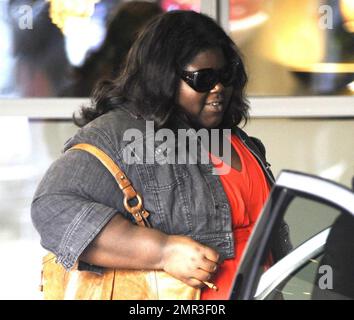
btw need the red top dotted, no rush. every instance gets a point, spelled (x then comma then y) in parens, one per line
(247, 191)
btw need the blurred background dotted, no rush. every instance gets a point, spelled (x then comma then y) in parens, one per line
(292, 47)
(300, 59)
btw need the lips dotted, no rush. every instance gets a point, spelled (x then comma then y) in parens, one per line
(215, 105)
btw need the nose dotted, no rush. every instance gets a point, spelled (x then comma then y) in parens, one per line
(218, 88)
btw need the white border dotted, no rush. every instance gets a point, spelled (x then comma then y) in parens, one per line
(261, 107)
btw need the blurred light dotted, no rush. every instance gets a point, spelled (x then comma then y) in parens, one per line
(170, 5)
(245, 19)
(294, 38)
(249, 22)
(327, 67)
(313, 261)
(350, 86)
(82, 36)
(347, 11)
(63, 10)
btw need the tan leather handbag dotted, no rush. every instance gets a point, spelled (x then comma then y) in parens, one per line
(114, 284)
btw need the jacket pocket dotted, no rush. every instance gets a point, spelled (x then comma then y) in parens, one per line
(155, 177)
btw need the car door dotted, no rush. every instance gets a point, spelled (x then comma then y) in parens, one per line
(311, 206)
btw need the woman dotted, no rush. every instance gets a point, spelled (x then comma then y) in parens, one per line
(182, 72)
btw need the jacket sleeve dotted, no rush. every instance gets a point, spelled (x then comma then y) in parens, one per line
(75, 199)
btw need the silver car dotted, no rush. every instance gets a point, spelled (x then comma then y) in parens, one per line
(320, 215)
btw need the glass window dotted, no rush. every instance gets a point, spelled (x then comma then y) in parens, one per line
(296, 47)
(327, 271)
(61, 48)
(307, 217)
(300, 284)
(291, 47)
(328, 275)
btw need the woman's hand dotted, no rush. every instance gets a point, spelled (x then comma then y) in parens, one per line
(123, 245)
(188, 260)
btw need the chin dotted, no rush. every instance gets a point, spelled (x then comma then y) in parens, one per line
(208, 123)
(215, 124)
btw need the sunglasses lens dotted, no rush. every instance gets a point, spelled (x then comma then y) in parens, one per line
(227, 76)
(206, 80)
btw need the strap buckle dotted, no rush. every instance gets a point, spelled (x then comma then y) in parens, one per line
(138, 212)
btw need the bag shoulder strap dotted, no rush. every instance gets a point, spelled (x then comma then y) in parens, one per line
(137, 211)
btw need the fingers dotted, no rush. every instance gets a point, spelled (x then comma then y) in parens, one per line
(200, 278)
(202, 275)
(208, 265)
(195, 283)
(190, 261)
(211, 254)
(210, 260)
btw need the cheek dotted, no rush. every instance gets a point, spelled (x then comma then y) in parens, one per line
(189, 100)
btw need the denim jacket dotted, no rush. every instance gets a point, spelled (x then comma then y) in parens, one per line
(78, 196)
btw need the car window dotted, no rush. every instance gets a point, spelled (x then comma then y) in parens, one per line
(322, 271)
(300, 284)
(306, 218)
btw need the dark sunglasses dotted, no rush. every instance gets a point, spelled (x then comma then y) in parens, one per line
(206, 79)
